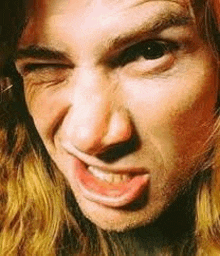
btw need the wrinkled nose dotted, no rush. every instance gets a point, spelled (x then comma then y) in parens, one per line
(96, 119)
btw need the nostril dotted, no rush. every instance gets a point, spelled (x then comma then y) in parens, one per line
(117, 151)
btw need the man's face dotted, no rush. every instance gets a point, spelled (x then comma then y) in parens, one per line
(123, 95)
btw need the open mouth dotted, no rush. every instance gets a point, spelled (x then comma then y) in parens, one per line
(114, 178)
(112, 189)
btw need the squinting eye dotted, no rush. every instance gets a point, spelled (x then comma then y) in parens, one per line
(149, 50)
(43, 66)
(45, 73)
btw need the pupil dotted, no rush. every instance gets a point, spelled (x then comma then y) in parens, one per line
(153, 50)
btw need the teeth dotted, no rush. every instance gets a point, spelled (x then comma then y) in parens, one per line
(109, 177)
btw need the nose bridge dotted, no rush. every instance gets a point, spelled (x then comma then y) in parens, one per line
(92, 98)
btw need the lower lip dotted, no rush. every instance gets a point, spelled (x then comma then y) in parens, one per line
(109, 194)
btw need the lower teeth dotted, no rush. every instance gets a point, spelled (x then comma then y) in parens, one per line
(109, 177)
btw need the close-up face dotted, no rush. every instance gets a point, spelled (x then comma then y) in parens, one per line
(123, 95)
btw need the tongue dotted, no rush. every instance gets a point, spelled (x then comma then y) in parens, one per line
(110, 194)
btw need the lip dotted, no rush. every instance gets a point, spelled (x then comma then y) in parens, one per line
(118, 170)
(110, 194)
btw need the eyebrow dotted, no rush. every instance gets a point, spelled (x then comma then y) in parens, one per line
(40, 52)
(164, 21)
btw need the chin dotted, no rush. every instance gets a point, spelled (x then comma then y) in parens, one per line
(118, 219)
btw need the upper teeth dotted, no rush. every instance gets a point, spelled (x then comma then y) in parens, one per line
(106, 176)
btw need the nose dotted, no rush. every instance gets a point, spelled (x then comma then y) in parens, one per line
(96, 119)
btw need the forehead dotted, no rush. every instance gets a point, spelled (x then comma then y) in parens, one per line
(79, 18)
(84, 10)
(52, 7)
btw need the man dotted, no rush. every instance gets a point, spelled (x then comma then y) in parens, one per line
(123, 96)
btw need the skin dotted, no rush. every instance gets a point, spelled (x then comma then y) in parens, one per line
(84, 102)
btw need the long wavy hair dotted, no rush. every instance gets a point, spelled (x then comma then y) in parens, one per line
(38, 212)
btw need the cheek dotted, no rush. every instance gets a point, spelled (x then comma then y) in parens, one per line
(176, 114)
(47, 108)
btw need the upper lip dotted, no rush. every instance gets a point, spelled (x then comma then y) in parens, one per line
(90, 161)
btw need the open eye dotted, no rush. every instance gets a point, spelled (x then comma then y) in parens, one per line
(149, 50)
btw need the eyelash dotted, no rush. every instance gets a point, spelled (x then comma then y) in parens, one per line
(31, 67)
(149, 50)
